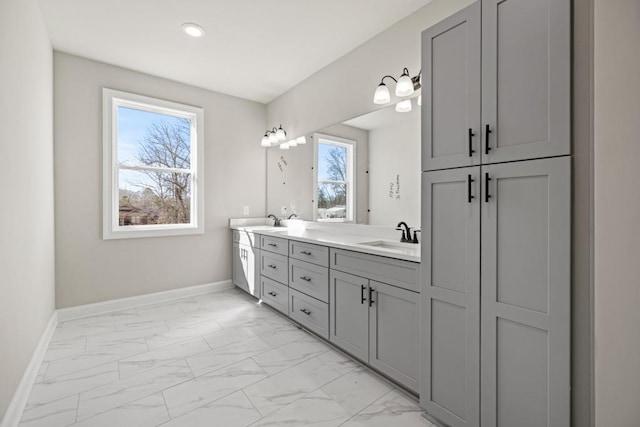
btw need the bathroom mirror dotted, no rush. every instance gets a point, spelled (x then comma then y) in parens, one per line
(365, 170)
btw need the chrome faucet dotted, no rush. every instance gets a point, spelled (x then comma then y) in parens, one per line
(406, 233)
(276, 220)
(293, 215)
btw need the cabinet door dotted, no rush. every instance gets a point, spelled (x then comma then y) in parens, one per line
(451, 94)
(394, 333)
(450, 296)
(526, 288)
(349, 313)
(526, 79)
(253, 266)
(240, 271)
(246, 274)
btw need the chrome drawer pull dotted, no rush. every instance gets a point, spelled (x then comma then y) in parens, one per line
(272, 244)
(272, 266)
(305, 311)
(305, 278)
(306, 253)
(273, 294)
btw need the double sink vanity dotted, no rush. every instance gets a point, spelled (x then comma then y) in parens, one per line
(353, 285)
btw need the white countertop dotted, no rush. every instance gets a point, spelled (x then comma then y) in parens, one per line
(372, 244)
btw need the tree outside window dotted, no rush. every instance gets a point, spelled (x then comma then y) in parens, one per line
(334, 179)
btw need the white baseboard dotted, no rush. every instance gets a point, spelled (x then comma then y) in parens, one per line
(70, 313)
(16, 406)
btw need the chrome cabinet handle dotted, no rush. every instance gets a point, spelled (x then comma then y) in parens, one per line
(305, 311)
(273, 294)
(305, 253)
(469, 195)
(371, 301)
(272, 244)
(305, 278)
(362, 297)
(471, 135)
(272, 266)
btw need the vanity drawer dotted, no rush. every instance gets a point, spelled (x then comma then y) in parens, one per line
(315, 254)
(311, 279)
(274, 244)
(246, 238)
(275, 294)
(404, 274)
(274, 266)
(309, 312)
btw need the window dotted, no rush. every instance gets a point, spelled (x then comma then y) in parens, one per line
(152, 167)
(334, 183)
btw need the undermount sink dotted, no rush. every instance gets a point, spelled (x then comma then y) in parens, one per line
(390, 245)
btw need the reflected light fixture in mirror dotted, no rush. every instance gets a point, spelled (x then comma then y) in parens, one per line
(301, 140)
(403, 106)
(284, 146)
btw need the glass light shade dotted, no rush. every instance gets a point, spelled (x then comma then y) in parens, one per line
(404, 87)
(265, 141)
(292, 143)
(284, 146)
(420, 100)
(403, 106)
(272, 138)
(281, 135)
(301, 140)
(382, 95)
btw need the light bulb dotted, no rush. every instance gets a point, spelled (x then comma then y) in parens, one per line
(272, 138)
(265, 141)
(404, 87)
(281, 135)
(194, 30)
(301, 140)
(403, 106)
(420, 100)
(284, 146)
(382, 95)
(292, 143)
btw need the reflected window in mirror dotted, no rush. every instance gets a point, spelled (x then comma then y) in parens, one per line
(334, 179)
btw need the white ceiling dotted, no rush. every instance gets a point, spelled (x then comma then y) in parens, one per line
(254, 49)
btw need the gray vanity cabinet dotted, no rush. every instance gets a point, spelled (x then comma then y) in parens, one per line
(245, 263)
(450, 296)
(526, 79)
(349, 313)
(376, 322)
(451, 101)
(394, 329)
(525, 280)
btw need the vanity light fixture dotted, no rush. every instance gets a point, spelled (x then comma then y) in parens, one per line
(292, 143)
(193, 30)
(284, 146)
(301, 140)
(405, 86)
(274, 136)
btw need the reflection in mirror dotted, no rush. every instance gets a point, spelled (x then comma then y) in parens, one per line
(364, 170)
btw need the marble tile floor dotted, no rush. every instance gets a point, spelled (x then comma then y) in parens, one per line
(219, 359)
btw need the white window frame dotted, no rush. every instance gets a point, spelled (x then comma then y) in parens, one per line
(111, 100)
(350, 145)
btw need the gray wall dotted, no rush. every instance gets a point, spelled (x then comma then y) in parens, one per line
(89, 269)
(344, 89)
(26, 189)
(617, 211)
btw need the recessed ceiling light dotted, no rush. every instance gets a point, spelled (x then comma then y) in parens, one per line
(194, 30)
